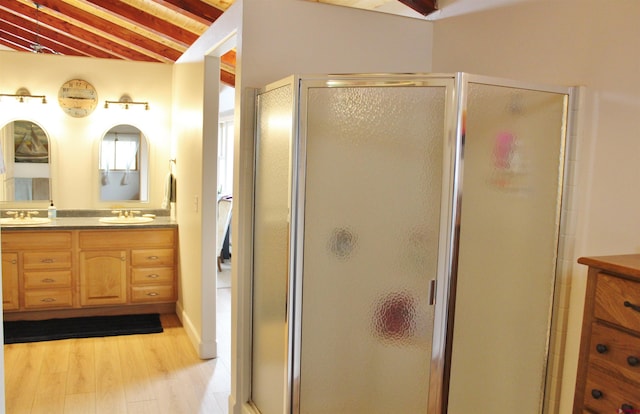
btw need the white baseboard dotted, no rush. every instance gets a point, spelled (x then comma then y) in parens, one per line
(205, 350)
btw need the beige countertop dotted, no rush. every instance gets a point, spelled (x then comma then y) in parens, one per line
(78, 223)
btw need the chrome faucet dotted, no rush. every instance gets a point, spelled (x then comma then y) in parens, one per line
(125, 213)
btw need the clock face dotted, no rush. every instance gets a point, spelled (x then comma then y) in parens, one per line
(77, 98)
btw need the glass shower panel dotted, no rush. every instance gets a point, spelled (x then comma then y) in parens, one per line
(374, 161)
(513, 169)
(270, 260)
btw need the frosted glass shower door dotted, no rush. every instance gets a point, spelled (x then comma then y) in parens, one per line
(271, 253)
(372, 196)
(511, 186)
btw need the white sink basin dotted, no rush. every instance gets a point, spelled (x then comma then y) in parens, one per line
(25, 221)
(125, 220)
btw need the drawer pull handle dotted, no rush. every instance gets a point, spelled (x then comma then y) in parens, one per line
(152, 257)
(633, 361)
(48, 280)
(14, 261)
(153, 276)
(627, 408)
(601, 348)
(48, 300)
(152, 294)
(597, 394)
(47, 261)
(628, 304)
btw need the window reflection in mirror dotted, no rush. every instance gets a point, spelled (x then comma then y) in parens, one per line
(123, 165)
(25, 159)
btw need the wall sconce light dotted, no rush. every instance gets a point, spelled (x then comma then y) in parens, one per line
(125, 101)
(23, 95)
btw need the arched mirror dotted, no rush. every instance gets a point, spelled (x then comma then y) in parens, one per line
(25, 162)
(124, 161)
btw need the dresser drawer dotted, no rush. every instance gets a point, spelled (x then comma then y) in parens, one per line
(615, 351)
(606, 394)
(152, 257)
(46, 260)
(49, 298)
(160, 293)
(152, 275)
(48, 280)
(618, 301)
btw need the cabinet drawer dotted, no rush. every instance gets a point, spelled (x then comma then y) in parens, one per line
(152, 257)
(125, 239)
(50, 279)
(50, 298)
(160, 293)
(618, 301)
(607, 394)
(46, 260)
(32, 240)
(152, 275)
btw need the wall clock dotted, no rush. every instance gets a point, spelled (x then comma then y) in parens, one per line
(77, 98)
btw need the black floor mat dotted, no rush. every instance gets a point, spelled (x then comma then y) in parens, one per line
(86, 327)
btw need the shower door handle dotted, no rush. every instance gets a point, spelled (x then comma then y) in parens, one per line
(432, 292)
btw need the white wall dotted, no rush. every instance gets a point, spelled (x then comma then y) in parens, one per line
(75, 140)
(570, 43)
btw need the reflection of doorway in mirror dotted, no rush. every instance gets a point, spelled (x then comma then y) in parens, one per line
(123, 165)
(26, 162)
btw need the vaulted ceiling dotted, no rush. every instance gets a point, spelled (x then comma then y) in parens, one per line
(138, 30)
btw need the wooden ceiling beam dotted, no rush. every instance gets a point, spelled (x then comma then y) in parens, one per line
(10, 40)
(128, 36)
(196, 10)
(78, 33)
(424, 7)
(30, 38)
(227, 78)
(61, 39)
(148, 21)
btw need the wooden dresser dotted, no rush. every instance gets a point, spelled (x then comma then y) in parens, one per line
(608, 378)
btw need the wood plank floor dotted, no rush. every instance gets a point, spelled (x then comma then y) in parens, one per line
(133, 374)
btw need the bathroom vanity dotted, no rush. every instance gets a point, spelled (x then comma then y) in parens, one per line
(82, 267)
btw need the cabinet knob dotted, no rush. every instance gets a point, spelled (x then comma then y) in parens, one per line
(633, 360)
(628, 304)
(601, 348)
(597, 394)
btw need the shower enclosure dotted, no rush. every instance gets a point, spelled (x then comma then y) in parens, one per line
(406, 233)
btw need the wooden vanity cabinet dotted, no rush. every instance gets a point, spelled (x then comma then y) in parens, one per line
(608, 377)
(10, 289)
(44, 268)
(152, 275)
(138, 266)
(82, 272)
(103, 277)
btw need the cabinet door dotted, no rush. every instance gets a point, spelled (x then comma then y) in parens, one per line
(10, 281)
(103, 277)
